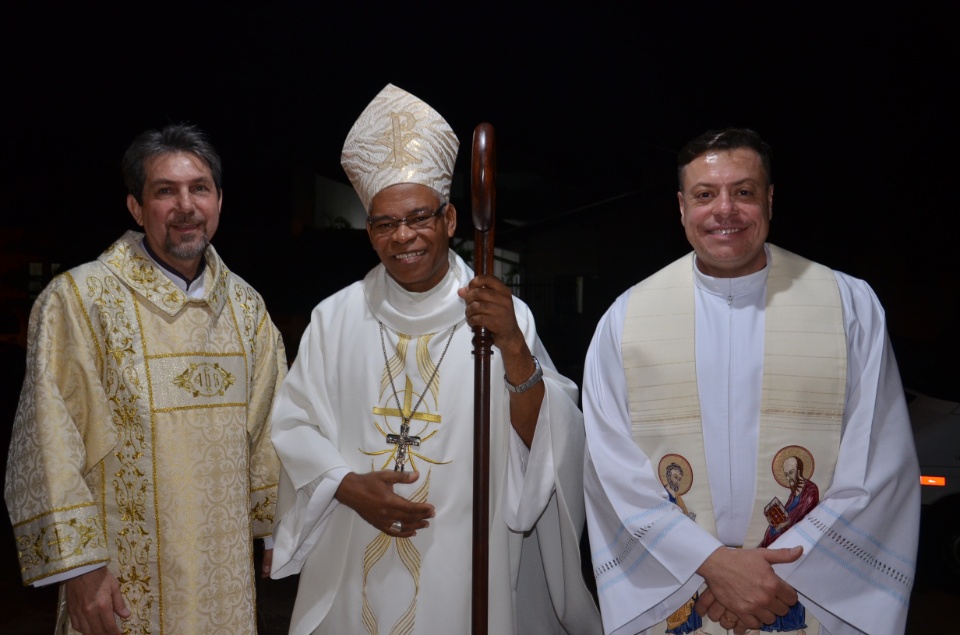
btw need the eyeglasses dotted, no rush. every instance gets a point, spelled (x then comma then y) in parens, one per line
(386, 225)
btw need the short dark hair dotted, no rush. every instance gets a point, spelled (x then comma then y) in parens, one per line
(725, 139)
(179, 137)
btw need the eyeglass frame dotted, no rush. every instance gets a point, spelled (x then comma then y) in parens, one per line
(406, 221)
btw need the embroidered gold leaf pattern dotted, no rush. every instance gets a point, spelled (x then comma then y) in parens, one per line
(262, 510)
(59, 540)
(130, 484)
(142, 272)
(248, 299)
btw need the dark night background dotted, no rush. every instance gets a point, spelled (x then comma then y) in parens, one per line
(590, 103)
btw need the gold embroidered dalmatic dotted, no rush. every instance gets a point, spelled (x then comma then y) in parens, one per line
(142, 439)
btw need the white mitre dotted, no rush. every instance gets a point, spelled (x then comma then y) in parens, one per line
(399, 139)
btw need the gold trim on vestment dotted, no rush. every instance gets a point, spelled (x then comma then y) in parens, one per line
(238, 404)
(86, 318)
(59, 536)
(395, 366)
(427, 368)
(153, 473)
(379, 546)
(409, 556)
(194, 354)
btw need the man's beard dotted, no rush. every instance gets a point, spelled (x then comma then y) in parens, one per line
(187, 250)
(796, 485)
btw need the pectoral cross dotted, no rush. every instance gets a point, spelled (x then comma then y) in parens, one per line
(404, 440)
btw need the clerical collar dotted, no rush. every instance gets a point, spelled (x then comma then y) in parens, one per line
(418, 313)
(183, 283)
(733, 287)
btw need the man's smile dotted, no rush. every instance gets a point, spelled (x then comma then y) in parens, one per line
(410, 254)
(724, 231)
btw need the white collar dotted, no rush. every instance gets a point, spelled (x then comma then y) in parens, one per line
(418, 313)
(733, 287)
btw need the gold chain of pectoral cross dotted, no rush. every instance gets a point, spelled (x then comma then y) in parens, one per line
(405, 412)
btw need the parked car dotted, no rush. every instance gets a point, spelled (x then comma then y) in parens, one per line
(936, 431)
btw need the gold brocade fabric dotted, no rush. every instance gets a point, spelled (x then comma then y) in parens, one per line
(142, 440)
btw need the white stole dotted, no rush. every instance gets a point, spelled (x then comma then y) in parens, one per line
(803, 387)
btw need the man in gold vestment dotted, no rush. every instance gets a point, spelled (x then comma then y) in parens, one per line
(140, 466)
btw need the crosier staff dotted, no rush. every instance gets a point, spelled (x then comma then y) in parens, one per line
(484, 194)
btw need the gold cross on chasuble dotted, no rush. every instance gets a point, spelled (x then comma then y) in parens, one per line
(404, 439)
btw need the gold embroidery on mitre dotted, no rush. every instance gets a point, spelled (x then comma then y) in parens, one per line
(396, 138)
(205, 380)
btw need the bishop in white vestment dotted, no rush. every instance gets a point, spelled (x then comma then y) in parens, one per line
(382, 382)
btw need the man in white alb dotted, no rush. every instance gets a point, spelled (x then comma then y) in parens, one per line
(374, 424)
(743, 361)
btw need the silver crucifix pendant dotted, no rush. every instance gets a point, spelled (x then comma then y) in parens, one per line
(403, 441)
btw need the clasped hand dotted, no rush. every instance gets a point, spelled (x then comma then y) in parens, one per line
(743, 591)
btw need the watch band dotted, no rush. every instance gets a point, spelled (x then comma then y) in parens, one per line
(530, 383)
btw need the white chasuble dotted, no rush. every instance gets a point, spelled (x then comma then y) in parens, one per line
(750, 412)
(341, 410)
(142, 440)
(391, 568)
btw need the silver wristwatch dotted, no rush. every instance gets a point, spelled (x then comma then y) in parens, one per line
(530, 383)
